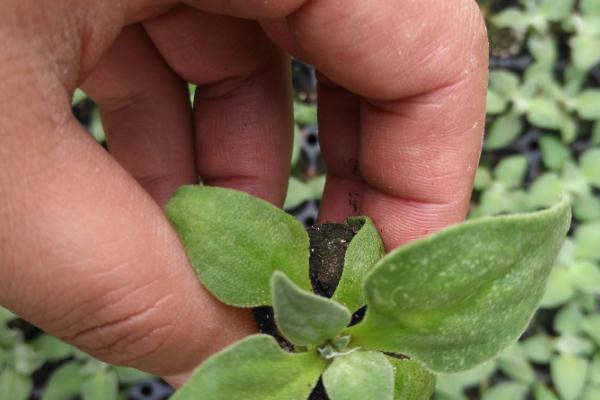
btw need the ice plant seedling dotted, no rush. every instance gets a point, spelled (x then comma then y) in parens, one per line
(441, 304)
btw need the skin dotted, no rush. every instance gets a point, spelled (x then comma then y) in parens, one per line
(85, 250)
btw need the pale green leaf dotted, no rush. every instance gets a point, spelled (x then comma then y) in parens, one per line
(483, 178)
(568, 375)
(513, 362)
(568, 319)
(298, 192)
(459, 297)
(103, 385)
(586, 207)
(506, 391)
(556, 10)
(131, 375)
(574, 345)
(585, 51)
(51, 348)
(585, 276)
(587, 241)
(511, 170)
(591, 326)
(541, 392)
(495, 104)
(503, 131)
(594, 368)
(554, 153)
(411, 380)
(591, 393)
(590, 7)
(545, 113)
(65, 382)
(359, 375)
(305, 318)
(505, 83)
(14, 386)
(255, 368)
(24, 359)
(590, 165)
(559, 289)
(453, 384)
(545, 191)
(538, 348)
(364, 250)
(236, 241)
(588, 104)
(305, 114)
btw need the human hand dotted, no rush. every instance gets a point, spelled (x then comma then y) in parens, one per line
(86, 252)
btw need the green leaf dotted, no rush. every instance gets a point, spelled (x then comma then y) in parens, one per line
(556, 10)
(506, 391)
(495, 104)
(591, 326)
(305, 114)
(568, 375)
(586, 207)
(360, 375)
(64, 383)
(515, 365)
(364, 250)
(236, 241)
(297, 146)
(590, 7)
(585, 276)
(541, 392)
(585, 51)
(305, 318)
(588, 104)
(594, 369)
(51, 348)
(14, 386)
(545, 191)
(131, 375)
(503, 131)
(574, 345)
(255, 368)
(587, 241)
(459, 297)
(545, 113)
(590, 165)
(298, 192)
(591, 393)
(543, 48)
(103, 385)
(483, 178)
(538, 348)
(568, 319)
(24, 359)
(6, 316)
(559, 288)
(554, 153)
(452, 384)
(504, 82)
(411, 380)
(511, 170)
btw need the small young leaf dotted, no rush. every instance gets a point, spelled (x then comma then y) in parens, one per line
(236, 241)
(411, 380)
(14, 386)
(365, 249)
(503, 131)
(514, 364)
(255, 368)
(545, 113)
(360, 375)
(554, 153)
(506, 391)
(305, 318)
(587, 104)
(51, 348)
(559, 289)
(459, 297)
(541, 392)
(568, 375)
(538, 348)
(511, 170)
(102, 385)
(64, 383)
(590, 165)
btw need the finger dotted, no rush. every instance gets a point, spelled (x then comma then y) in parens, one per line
(242, 107)
(421, 85)
(88, 257)
(146, 114)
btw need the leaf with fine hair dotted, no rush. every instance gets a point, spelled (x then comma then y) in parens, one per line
(364, 250)
(459, 297)
(359, 375)
(305, 318)
(255, 368)
(236, 241)
(411, 380)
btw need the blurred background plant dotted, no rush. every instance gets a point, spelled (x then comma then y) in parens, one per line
(543, 138)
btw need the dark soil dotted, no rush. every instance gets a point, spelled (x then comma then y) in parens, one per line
(328, 245)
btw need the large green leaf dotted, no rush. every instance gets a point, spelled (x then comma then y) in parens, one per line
(411, 380)
(255, 368)
(459, 297)
(360, 375)
(236, 241)
(305, 318)
(365, 249)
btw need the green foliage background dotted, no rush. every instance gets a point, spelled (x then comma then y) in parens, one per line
(543, 137)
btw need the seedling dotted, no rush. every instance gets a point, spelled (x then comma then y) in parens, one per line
(445, 303)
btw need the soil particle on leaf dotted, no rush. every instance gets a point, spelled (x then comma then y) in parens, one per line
(328, 245)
